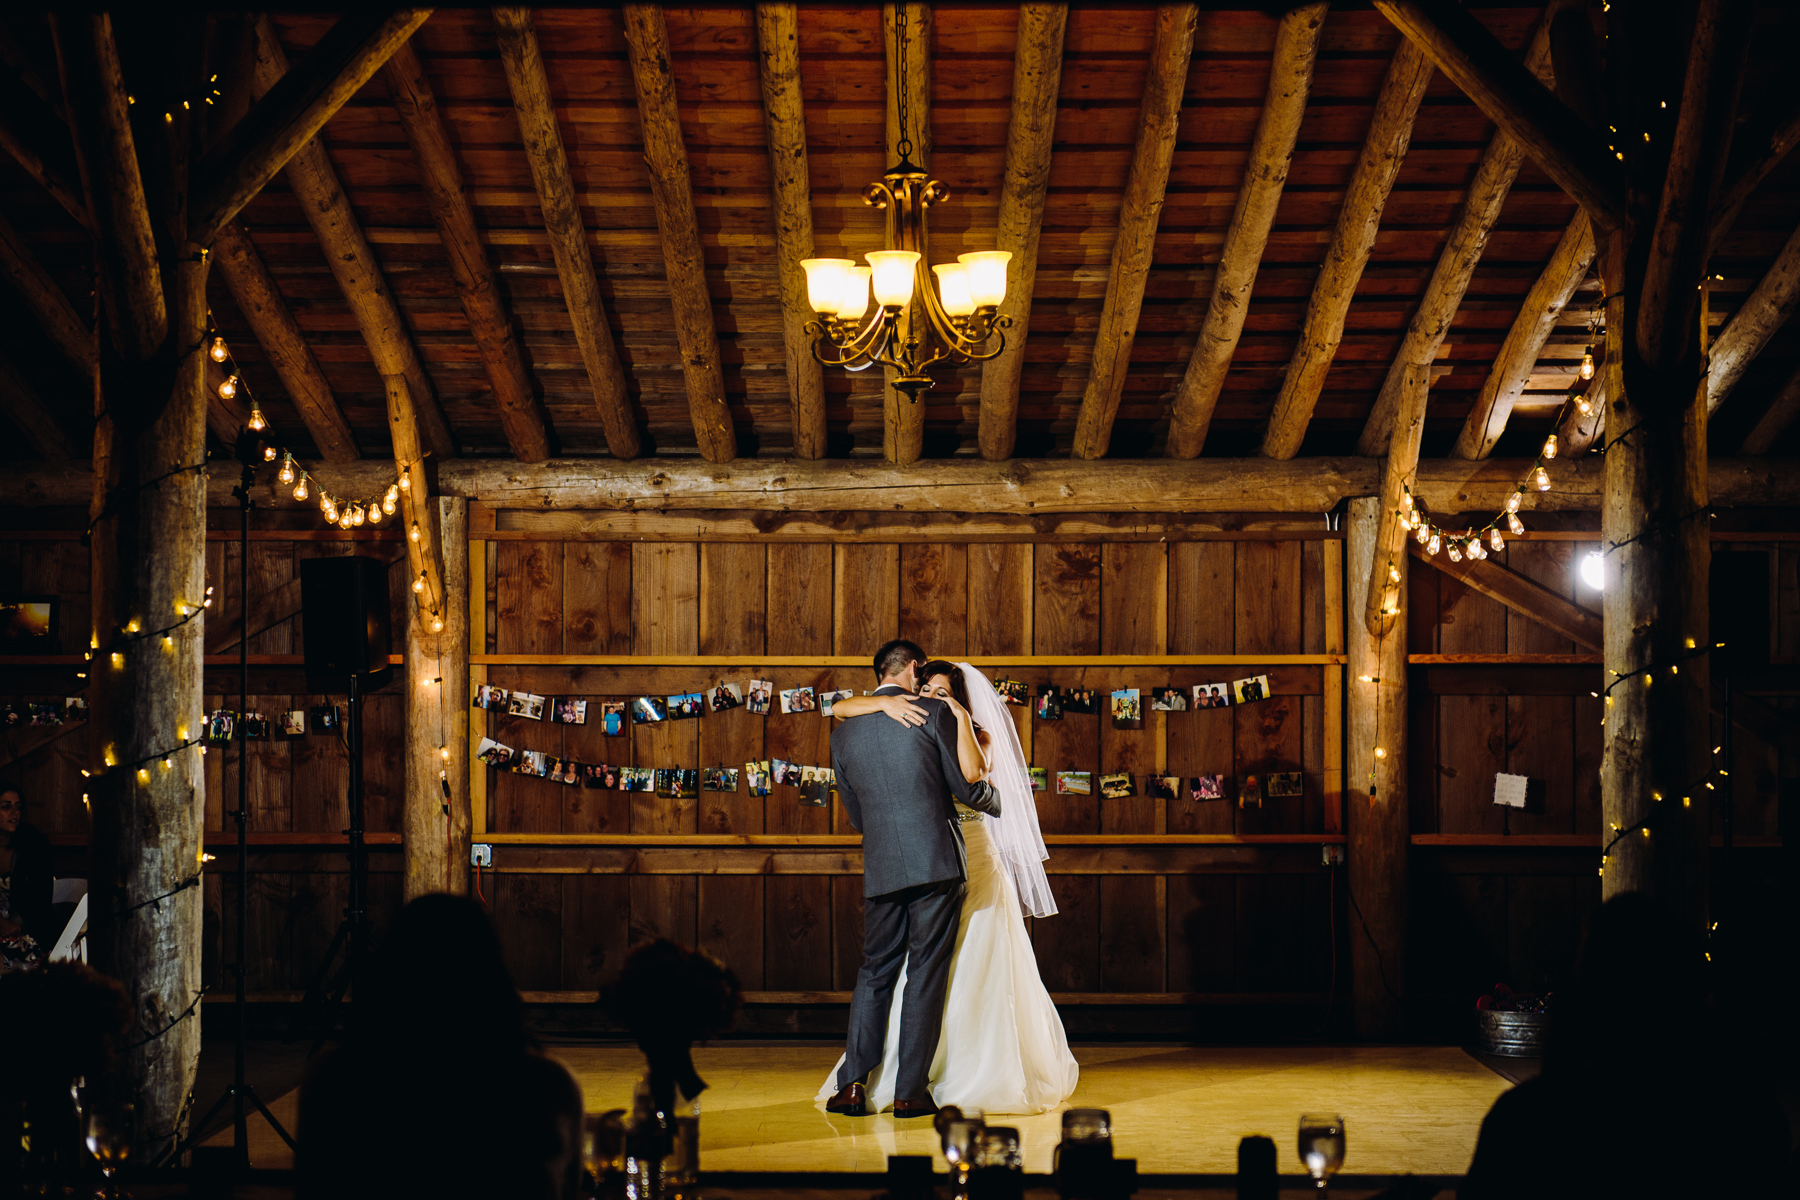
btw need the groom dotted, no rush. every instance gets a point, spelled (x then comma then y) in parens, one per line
(896, 782)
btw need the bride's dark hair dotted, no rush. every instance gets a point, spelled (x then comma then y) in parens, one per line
(943, 666)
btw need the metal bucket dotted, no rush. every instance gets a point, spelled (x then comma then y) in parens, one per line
(1512, 1034)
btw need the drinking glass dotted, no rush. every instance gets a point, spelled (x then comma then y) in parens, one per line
(108, 1133)
(603, 1143)
(1087, 1125)
(960, 1134)
(1321, 1146)
(998, 1146)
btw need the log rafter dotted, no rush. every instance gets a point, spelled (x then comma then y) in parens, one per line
(1776, 419)
(30, 414)
(1259, 195)
(523, 61)
(1390, 130)
(1382, 595)
(1030, 134)
(1764, 311)
(1768, 139)
(30, 143)
(1171, 54)
(672, 195)
(490, 324)
(71, 335)
(1523, 595)
(784, 119)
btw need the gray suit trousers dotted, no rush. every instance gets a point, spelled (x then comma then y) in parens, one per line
(915, 926)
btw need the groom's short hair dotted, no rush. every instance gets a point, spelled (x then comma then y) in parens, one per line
(893, 658)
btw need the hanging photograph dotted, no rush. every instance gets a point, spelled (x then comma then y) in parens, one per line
(528, 762)
(327, 718)
(491, 698)
(636, 779)
(1040, 778)
(612, 717)
(1249, 691)
(1168, 699)
(293, 723)
(1162, 787)
(1049, 702)
(75, 708)
(815, 786)
(648, 710)
(43, 712)
(1079, 700)
(686, 705)
(28, 625)
(1285, 783)
(601, 776)
(1116, 787)
(524, 704)
(758, 695)
(1013, 692)
(256, 727)
(1206, 787)
(756, 778)
(786, 772)
(1127, 709)
(1074, 783)
(827, 699)
(219, 725)
(725, 695)
(718, 779)
(1212, 695)
(570, 711)
(1251, 792)
(494, 754)
(798, 700)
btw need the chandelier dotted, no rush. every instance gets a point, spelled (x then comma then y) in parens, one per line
(913, 326)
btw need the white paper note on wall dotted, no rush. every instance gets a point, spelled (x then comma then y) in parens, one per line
(1510, 789)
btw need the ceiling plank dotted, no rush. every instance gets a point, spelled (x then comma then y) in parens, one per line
(1462, 48)
(1680, 242)
(1523, 595)
(903, 417)
(131, 285)
(530, 87)
(1030, 134)
(279, 335)
(684, 261)
(352, 260)
(1486, 197)
(1171, 54)
(522, 417)
(71, 336)
(1518, 353)
(1777, 419)
(30, 148)
(25, 407)
(1390, 130)
(1760, 149)
(290, 114)
(784, 119)
(1259, 195)
(1381, 592)
(1765, 310)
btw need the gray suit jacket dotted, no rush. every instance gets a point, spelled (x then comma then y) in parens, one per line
(896, 782)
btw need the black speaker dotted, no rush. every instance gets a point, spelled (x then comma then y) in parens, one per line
(1739, 606)
(344, 610)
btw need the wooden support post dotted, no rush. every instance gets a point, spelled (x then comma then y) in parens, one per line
(1568, 266)
(903, 418)
(684, 262)
(435, 815)
(1382, 593)
(1376, 817)
(1030, 133)
(530, 87)
(352, 260)
(1265, 175)
(72, 336)
(1456, 263)
(784, 119)
(1390, 130)
(32, 416)
(1764, 311)
(276, 331)
(1171, 54)
(1776, 419)
(490, 325)
(475, 597)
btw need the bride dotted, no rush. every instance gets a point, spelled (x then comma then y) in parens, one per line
(1003, 1049)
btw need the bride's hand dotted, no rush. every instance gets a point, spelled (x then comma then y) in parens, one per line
(901, 709)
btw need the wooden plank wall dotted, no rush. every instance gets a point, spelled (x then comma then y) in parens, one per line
(1238, 922)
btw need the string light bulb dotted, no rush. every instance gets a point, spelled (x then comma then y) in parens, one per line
(1583, 407)
(218, 351)
(419, 583)
(413, 533)
(405, 482)
(300, 489)
(1495, 541)
(437, 623)
(268, 454)
(1513, 501)
(1587, 360)
(1435, 544)
(257, 424)
(1541, 479)
(1455, 554)
(374, 514)
(228, 388)
(1476, 550)
(1422, 535)
(1513, 523)
(391, 500)
(286, 474)
(1550, 446)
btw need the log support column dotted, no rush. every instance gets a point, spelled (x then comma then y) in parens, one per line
(436, 812)
(1375, 816)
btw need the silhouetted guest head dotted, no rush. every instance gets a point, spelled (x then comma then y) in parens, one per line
(1636, 966)
(61, 1020)
(436, 978)
(669, 997)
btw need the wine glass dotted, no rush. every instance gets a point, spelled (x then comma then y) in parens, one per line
(108, 1133)
(959, 1134)
(1321, 1146)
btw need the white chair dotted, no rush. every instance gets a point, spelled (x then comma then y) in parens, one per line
(72, 945)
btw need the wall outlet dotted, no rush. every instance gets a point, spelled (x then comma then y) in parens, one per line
(1333, 855)
(481, 855)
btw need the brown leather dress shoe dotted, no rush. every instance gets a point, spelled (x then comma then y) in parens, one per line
(853, 1101)
(915, 1108)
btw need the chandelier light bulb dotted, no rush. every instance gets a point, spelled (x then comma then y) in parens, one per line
(228, 387)
(825, 282)
(854, 302)
(953, 289)
(892, 276)
(1587, 363)
(987, 276)
(218, 351)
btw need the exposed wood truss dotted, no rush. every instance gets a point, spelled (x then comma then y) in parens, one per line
(1765, 310)
(1568, 151)
(1456, 263)
(530, 86)
(1381, 595)
(291, 114)
(1518, 355)
(1134, 247)
(71, 335)
(1390, 130)
(1777, 419)
(259, 299)
(671, 188)
(352, 260)
(34, 133)
(417, 509)
(1030, 132)
(1758, 149)
(490, 325)
(31, 416)
(1522, 595)
(903, 419)
(1271, 153)
(784, 119)
(276, 606)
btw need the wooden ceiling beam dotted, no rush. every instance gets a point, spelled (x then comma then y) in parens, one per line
(523, 62)
(1486, 197)
(903, 417)
(417, 512)
(30, 143)
(276, 331)
(1259, 195)
(22, 405)
(352, 260)
(1580, 430)
(1518, 355)
(1777, 419)
(293, 111)
(684, 260)
(1765, 310)
(522, 417)
(1760, 149)
(1390, 130)
(1381, 593)
(1680, 242)
(71, 335)
(1171, 54)
(784, 119)
(1030, 134)
(1487, 73)
(131, 283)
(1523, 595)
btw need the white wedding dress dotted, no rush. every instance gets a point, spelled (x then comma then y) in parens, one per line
(1003, 1049)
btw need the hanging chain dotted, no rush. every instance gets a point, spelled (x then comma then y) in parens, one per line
(903, 146)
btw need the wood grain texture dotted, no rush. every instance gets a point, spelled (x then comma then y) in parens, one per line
(1776, 419)
(865, 597)
(1380, 592)
(1000, 601)
(903, 419)
(730, 916)
(934, 595)
(1523, 595)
